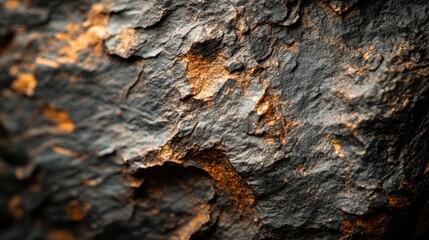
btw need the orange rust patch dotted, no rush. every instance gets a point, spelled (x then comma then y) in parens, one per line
(397, 201)
(14, 207)
(374, 225)
(47, 62)
(337, 147)
(346, 227)
(60, 118)
(226, 178)
(67, 152)
(270, 108)
(77, 212)
(25, 84)
(60, 234)
(205, 75)
(12, 4)
(201, 217)
(86, 38)
(136, 182)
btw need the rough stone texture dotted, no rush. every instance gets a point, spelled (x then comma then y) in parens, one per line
(162, 119)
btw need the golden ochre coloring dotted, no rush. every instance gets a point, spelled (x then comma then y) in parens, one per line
(205, 75)
(217, 165)
(60, 118)
(201, 217)
(337, 148)
(12, 4)
(81, 37)
(66, 152)
(25, 84)
(47, 62)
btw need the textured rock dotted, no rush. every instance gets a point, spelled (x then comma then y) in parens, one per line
(162, 119)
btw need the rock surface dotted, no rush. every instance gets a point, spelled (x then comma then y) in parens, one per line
(160, 119)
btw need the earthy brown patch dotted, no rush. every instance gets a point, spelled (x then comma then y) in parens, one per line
(75, 211)
(397, 201)
(60, 234)
(205, 75)
(25, 84)
(14, 207)
(374, 225)
(346, 227)
(60, 118)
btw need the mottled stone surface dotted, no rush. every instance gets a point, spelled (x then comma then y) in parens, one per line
(160, 119)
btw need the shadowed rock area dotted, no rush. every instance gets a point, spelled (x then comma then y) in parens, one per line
(197, 119)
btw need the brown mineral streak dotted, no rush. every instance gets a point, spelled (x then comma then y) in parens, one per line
(60, 118)
(66, 152)
(217, 165)
(205, 75)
